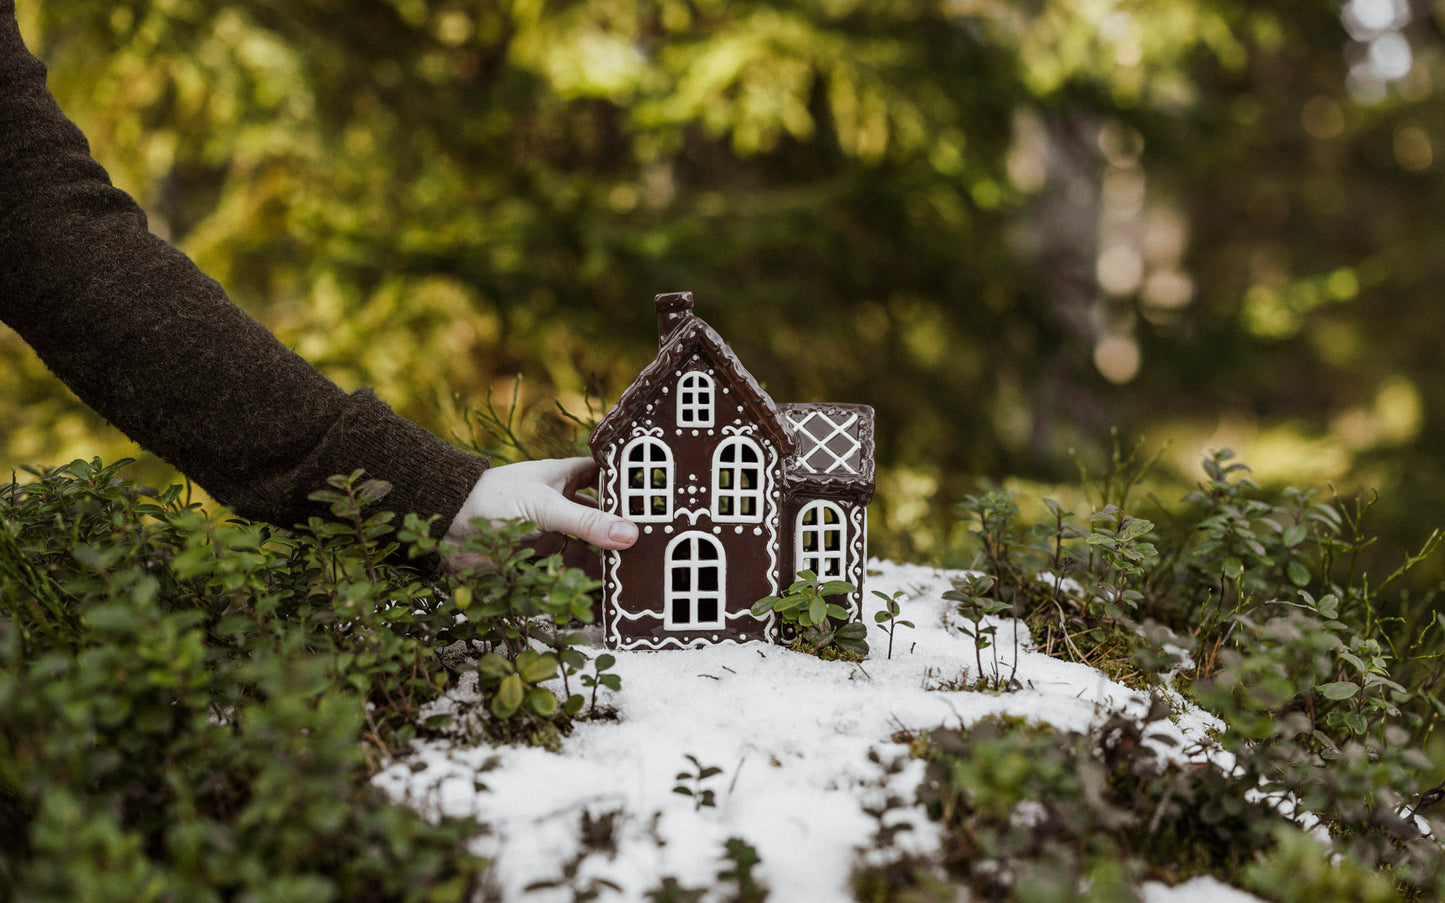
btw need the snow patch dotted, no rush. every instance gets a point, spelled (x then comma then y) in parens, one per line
(792, 736)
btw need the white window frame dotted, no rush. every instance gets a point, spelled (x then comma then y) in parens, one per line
(685, 576)
(696, 394)
(731, 499)
(812, 541)
(647, 456)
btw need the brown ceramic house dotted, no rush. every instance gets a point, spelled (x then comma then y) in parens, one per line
(734, 494)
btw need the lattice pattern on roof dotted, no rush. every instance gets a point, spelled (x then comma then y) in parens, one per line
(833, 444)
(827, 441)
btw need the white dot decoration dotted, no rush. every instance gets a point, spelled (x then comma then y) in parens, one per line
(738, 530)
(647, 529)
(757, 531)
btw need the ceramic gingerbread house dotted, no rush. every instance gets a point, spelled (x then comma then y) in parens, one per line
(734, 494)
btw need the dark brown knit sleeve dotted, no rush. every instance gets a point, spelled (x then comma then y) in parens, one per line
(156, 347)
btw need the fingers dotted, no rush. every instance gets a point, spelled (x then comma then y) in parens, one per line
(607, 531)
(550, 504)
(545, 493)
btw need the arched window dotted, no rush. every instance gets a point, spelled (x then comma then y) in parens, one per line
(647, 480)
(737, 481)
(696, 570)
(820, 540)
(695, 400)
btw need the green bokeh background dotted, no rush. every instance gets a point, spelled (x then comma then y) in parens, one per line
(1011, 227)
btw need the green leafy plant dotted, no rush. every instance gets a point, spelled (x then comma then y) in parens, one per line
(822, 626)
(972, 593)
(599, 678)
(743, 886)
(691, 783)
(1257, 605)
(597, 835)
(514, 685)
(191, 707)
(887, 619)
(517, 605)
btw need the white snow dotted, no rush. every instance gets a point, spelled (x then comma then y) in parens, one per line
(791, 735)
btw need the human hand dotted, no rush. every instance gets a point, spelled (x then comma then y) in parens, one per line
(544, 493)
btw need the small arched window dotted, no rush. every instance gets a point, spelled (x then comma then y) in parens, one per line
(821, 540)
(738, 481)
(647, 480)
(696, 570)
(695, 400)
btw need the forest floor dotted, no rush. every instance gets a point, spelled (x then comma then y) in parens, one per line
(799, 747)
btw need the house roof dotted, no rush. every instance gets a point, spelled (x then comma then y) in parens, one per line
(686, 335)
(834, 450)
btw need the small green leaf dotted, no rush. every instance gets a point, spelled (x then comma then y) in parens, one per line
(1134, 529)
(542, 702)
(494, 666)
(1299, 574)
(462, 596)
(509, 696)
(535, 668)
(1342, 689)
(818, 610)
(764, 605)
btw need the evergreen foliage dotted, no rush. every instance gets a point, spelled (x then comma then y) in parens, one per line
(191, 707)
(1253, 605)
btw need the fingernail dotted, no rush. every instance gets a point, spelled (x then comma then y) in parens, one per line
(623, 532)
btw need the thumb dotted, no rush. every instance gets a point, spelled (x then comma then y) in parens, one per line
(606, 531)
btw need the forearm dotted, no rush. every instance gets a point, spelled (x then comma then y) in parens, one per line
(156, 347)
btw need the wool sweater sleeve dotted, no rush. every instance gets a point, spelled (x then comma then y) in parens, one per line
(157, 348)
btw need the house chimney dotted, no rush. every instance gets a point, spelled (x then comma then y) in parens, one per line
(672, 309)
